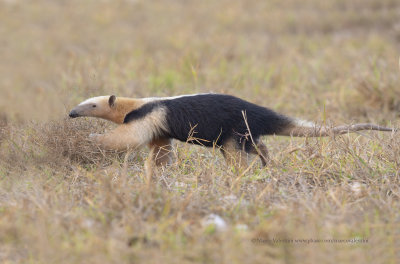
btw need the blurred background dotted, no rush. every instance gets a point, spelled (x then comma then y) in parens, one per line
(313, 59)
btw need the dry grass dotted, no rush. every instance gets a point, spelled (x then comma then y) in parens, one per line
(63, 200)
(70, 139)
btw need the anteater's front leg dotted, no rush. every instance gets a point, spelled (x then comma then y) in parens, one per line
(160, 155)
(120, 139)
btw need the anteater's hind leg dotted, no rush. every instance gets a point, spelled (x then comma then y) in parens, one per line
(233, 154)
(160, 155)
(262, 152)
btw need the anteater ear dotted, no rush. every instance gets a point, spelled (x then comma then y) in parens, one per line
(111, 100)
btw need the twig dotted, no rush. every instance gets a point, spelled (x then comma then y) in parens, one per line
(251, 136)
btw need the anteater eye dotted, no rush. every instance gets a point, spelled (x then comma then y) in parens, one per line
(93, 105)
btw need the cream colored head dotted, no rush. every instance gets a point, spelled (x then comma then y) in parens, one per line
(102, 107)
(108, 107)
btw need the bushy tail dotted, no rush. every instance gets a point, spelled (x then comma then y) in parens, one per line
(306, 129)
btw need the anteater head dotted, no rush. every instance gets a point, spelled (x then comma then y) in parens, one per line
(101, 106)
(107, 107)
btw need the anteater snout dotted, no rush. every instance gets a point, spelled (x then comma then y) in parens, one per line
(73, 114)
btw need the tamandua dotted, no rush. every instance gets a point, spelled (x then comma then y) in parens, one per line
(230, 123)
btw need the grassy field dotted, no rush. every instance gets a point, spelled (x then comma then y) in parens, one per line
(62, 200)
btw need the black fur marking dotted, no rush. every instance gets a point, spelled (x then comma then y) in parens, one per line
(141, 111)
(215, 118)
